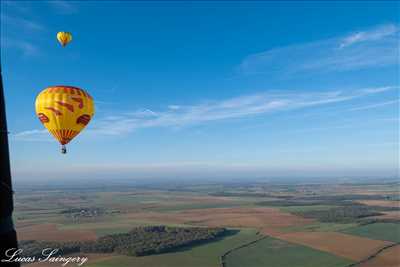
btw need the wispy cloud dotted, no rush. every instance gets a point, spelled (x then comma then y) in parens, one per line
(20, 23)
(32, 135)
(27, 48)
(63, 7)
(375, 105)
(238, 107)
(17, 33)
(234, 108)
(18, 6)
(372, 48)
(372, 35)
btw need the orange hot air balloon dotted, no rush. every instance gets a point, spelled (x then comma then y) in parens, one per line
(64, 38)
(64, 111)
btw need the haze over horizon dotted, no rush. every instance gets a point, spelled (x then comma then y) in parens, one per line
(212, 90)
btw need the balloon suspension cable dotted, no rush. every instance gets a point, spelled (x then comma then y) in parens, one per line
(63, 149)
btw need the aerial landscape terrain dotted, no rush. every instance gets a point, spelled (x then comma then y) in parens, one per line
(229, 224)
(199, 133)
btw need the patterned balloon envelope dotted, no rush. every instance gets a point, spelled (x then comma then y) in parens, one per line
(64, 111)
(64, 38)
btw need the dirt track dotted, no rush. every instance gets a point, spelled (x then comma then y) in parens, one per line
(388, 258)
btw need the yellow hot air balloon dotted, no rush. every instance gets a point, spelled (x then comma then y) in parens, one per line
(64, 111)
(64, 38)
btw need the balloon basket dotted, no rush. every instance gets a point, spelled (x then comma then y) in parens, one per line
(63, 149)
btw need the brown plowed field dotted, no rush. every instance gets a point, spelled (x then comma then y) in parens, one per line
(232, 217)
(50, 232)
(381, 203)
(202, 199)
(388, 258)
(343, 245)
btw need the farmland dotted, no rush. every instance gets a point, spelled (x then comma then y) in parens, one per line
(277, 253)
(388, 258)
(306, 224)
(380, 231)
(200, 256)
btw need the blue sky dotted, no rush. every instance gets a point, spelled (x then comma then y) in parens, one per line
(193, 90)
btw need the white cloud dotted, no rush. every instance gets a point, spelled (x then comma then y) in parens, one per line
(27, 48)
(375, 105)
(12, 28)
(234, 108)
(20, 23)
(239, 107)
(16, 5)
(63, 7)
(373, 48)
(373, 35)
(31, 135)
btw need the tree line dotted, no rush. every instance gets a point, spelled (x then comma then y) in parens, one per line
(140, 241)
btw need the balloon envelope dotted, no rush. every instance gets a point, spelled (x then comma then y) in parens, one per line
(64, 111)
(64, 38)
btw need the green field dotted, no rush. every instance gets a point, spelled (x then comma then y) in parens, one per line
(277, 253)
(206, 255)
(299, 209)
(321, 227)
(380, 231)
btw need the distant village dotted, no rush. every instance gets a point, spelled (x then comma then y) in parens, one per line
(86, 212)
